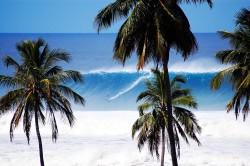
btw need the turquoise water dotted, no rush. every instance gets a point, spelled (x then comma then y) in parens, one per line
(109, 86)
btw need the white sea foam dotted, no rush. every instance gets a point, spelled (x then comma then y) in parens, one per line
(201, 65)
(130, 87)
(118, 69)
(104, 138)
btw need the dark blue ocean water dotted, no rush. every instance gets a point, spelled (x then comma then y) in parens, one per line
(110, 86)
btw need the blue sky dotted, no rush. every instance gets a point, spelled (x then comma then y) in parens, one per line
(76, 16)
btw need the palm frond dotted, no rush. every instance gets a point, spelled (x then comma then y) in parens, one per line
(153, 139)
(53, 124)
(128, 38)
(243, 17)
(245, 83)
(139, 123)
(177, 92)
(143, 107)
(53, 71)
(225, 56)
(187, 119)
(43, 55)
(10, 81)
(179, 34)
(222, 76)
(15, 119)
(64, 76)
(56, 56)
(61, 103)
(235, 103)
(45, 86)
(8, 61)
(113, 12)
(177, 142)
(178, 79)
(69, 93)
(27, 119)
(185, 101)
(11, 100)
(180, 130)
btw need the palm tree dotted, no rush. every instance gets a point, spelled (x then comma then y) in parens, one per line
(151, 29)
(151, 124)
(239, 59)
(37, 85)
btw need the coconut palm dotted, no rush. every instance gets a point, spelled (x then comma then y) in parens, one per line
(239, 59)
(151, 29)
(37, 85)
(152, 124)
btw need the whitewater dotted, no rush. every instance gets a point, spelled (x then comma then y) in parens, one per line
(101, 138)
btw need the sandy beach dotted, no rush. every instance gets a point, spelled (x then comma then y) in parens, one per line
(104, 139)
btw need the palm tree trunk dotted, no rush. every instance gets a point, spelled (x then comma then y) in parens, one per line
(163, 146)
(39, 140)
(169, 108)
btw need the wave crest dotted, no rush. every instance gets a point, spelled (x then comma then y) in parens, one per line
(201, 65)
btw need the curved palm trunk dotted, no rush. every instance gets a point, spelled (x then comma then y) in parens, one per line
(39, 140)
(169, 108)
(163, 146)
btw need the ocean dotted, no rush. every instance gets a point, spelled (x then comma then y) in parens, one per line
(101, 135)
(115, 87)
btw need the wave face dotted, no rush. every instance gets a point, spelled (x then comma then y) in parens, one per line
(119, 90)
